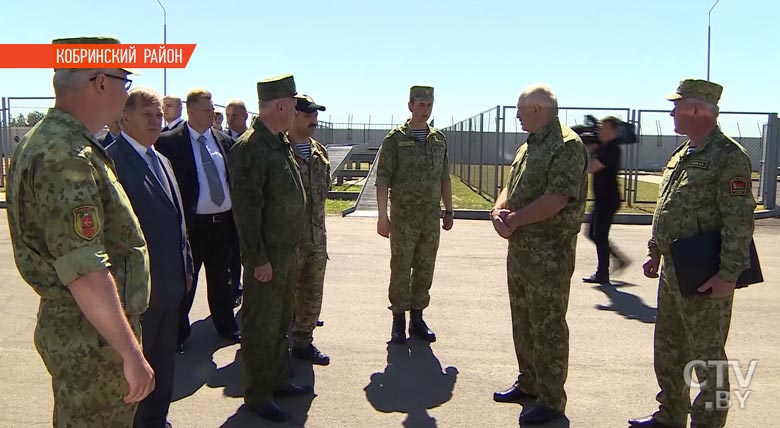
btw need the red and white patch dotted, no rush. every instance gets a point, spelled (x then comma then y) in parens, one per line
(85, 222)
(738, 186)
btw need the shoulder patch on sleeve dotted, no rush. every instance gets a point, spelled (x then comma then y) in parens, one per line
(738, 186)
(86, 223)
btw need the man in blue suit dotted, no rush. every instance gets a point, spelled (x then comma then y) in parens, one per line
(151, 186)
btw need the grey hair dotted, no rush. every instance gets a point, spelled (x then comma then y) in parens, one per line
(713, 108)
(74, 78)
(70, 78)
(541, 95)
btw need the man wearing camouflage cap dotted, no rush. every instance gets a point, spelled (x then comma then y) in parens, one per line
(268, 198)
(413, 166)
(78, 244)
(314, 166)
(706, 187)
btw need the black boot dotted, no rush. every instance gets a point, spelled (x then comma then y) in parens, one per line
(398, 335)
(417, 327)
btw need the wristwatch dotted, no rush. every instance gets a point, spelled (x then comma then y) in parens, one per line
(449, 212)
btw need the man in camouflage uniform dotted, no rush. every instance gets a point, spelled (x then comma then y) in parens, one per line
(706, 186)
(540, 211)
(268, 198)
(413, 165)
(78, 244)
(313, 164)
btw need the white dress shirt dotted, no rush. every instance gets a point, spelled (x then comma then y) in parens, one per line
(142, 152)
(205, 205)
(174, 122)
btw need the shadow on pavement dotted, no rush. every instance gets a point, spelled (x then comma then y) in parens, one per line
(628, 305)
(297, 408)
(412, 383)
(196, 365)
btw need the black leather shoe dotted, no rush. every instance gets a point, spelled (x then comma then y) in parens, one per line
(596, 279)
(311, 354)
(398, 335)
(539, 415)
(418, 327)
(270, 411)
(320, 323)
(646, 422)
(168, 425)
(512, 395)
(293, 390)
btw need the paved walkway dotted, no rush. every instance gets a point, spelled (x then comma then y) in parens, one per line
(446, 385)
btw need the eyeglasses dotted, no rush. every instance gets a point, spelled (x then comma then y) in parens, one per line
(127, 81)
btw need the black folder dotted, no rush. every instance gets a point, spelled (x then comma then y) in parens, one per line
(697, 259)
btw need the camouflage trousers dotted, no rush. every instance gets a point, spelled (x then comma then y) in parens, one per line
(414, 242)
(308, 293)
(688, 329)
(539, 277)
(87, 376)
(265, 320)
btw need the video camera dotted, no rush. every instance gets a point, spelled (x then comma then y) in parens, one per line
(589, 131)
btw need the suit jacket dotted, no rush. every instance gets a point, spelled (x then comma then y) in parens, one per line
(107, 140)
(170, 257)
(178, 124)
(176, 146)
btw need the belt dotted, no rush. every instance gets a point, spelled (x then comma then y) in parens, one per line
(215, 218)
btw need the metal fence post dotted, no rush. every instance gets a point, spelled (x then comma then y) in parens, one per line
(468, 149)
(771, 159)
(481, 148)
(499, 155)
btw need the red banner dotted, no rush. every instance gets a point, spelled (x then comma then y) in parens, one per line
(95, 56)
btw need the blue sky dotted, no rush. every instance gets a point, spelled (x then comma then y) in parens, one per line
(359, 58)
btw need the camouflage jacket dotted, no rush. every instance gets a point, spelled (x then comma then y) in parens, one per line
(412, 170)
(68, 215)
(553, 160)
(267, 193)
(315, 175)
(707, 190)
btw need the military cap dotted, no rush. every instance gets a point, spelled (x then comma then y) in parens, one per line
(697, 88)
(306, 104)
(276, 87)
(91, 41)
(424, 93)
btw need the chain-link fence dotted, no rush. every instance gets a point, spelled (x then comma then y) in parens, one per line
(482, 147)
(658, 139)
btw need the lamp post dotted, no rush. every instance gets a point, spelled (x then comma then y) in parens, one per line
(709, 34)
(165, 42)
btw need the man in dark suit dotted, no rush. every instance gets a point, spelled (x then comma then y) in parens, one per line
(151, 186)
(236, 116)
(199, 156)
(172, 113)
(114, 128)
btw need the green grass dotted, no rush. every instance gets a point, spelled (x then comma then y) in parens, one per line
(464, 197)
(336, 206)
(347, 187)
